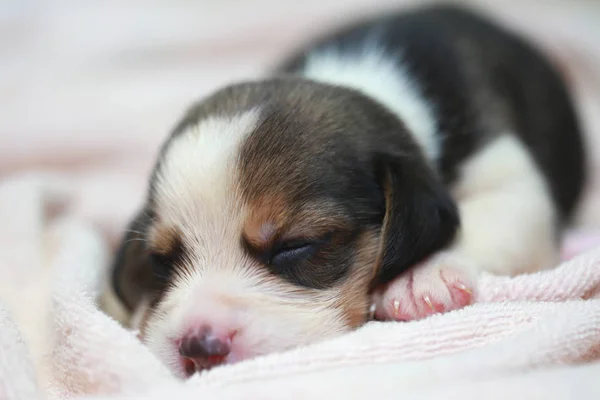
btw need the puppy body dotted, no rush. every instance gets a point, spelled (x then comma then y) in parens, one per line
(390, 162)
(490, 116)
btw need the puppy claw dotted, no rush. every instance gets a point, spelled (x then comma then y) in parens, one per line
(464, 288)
(372, 310)
(396, 305)
(429, 303)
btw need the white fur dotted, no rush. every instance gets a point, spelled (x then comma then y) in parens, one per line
(266, 314)
(198, 193)
(197, 174)
(373, 72)
(507, 212)
(194, 182)
(507, 219)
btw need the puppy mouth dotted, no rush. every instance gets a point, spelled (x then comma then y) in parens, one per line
(192, 366)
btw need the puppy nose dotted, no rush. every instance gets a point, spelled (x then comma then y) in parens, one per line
(204, 348)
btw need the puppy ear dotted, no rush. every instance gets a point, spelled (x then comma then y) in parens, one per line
(420, 216)
(132, 275)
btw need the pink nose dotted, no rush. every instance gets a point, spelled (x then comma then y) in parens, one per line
(203, 349)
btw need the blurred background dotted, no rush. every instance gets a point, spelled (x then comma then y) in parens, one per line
(90, 88)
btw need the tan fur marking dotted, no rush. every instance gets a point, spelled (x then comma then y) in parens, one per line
(266, 217)
(282, 221)
(354, 300)
(387, 193)
(163, 238)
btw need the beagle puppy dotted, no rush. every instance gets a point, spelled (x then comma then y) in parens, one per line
(387, 164)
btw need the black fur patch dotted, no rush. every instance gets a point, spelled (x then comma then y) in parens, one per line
(482, 81)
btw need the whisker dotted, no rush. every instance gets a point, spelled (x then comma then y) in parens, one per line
(135, 240)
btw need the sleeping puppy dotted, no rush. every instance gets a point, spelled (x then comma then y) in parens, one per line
(389, 164)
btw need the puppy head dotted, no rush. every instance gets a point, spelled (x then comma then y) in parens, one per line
(274, 209)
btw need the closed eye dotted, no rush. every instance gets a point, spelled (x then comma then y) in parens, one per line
(161, 266)
(293, 252)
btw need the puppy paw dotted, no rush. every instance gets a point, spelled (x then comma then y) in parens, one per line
(443, 282)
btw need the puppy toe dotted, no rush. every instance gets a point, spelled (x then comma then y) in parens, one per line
(394, 302)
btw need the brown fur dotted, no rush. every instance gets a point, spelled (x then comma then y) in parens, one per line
(163, 239)
(354, 292)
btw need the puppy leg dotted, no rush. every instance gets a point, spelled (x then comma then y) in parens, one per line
(507, 227)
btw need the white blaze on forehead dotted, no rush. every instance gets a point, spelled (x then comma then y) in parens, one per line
(196, 184)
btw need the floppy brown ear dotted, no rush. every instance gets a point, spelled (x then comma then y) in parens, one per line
(132, 275)
(420, 216)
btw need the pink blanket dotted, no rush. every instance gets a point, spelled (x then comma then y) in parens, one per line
(522, 333)
(89, 105)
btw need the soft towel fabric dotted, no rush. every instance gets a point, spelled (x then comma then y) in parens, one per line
(528, 323)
